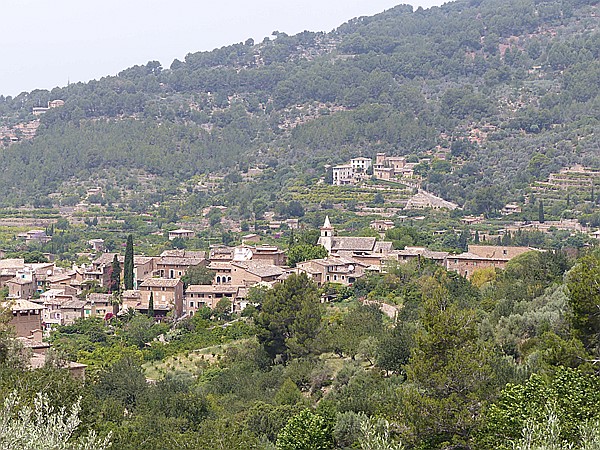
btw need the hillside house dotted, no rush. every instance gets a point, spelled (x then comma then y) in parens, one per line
(266, 254)
(343, 174)
(9, 269)
(333, 269)
(249, 273)
(181, 234)
(483, 256)
(167, 295)
(26, 316)
(220, 253)
(35, 236)
(200, 296)
(23, 285)
(222, 270)
(98, 305)
(97, 245)
(175, 265)
(417, 253)
(510, 208)
(382, 225)
(361, 164)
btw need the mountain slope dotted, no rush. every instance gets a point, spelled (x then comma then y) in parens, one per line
(509, 86)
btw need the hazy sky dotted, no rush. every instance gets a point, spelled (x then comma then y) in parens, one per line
(45, 43)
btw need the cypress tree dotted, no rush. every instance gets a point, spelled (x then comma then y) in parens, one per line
(115, 275)
(541, 212)
(151, 305)
(128, 264)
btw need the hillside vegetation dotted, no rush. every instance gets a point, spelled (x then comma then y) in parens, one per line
(510, 87)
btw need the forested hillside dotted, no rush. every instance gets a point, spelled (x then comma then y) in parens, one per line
(510, 87)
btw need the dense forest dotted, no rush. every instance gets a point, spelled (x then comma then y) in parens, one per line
(508, 86)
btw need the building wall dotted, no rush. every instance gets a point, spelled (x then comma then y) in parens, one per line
(69, 316)
(26, 322)
(241, 277)
(164, 297)
(466, 267)
(25, 291)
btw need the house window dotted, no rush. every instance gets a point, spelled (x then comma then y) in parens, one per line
(191, 304)
(504, 251)
(335, 277)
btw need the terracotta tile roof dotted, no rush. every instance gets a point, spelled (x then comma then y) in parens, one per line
(209, 288)
(363, 244)
(179, 261)
(160, 282)
(259, 269)
(22, 305)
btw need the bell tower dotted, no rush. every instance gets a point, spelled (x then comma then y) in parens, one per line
(326, 239)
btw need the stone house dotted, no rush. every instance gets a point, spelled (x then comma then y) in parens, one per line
(483, 256)
(176, 266)
(199, 296)
(98, 305)
(24, 285)
(9, 269)
(382, 225)
(249, 273)
(72, 310)
(167, 295)
(26, 316)
(333, 269)
(181, 234)
(416, 253)
(222, 271)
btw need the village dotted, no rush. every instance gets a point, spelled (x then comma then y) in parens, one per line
(43, 296)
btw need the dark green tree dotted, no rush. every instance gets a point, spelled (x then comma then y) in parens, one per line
(305, 252)
(584, 300)
(128, 264)
(198, 275)
(115, 275)
(151, 305)
(541, 218)
(290, 318)
(450, 371)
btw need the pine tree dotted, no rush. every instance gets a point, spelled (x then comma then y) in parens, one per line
(151, 305)
(128, 264)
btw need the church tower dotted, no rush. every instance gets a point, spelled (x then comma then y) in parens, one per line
(326, 239)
